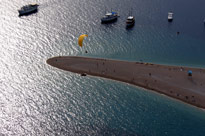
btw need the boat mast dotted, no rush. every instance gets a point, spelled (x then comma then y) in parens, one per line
(131, 12)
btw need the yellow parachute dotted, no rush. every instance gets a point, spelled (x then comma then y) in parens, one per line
(80, 39)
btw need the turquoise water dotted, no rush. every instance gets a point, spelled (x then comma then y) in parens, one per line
(37, 99)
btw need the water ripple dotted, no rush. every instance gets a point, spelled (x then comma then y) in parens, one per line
(37, 99)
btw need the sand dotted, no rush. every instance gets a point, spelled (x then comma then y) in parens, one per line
(172, 81)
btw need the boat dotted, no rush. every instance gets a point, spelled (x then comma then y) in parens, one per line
(130, 21)
(109, 17)
(170, 16)
(83, 74)
(28, 9)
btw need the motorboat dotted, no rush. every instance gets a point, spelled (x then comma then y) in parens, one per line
(109, 17)
(130, 21)
(83, 74)
(28, 9)
(170, 16)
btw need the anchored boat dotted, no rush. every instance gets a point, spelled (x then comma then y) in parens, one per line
(28, 9)
(170, 16)
(130, 21)
(109, 17)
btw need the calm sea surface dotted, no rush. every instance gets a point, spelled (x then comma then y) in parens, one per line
(37, 99)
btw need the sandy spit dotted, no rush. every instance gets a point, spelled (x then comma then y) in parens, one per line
(172, 81)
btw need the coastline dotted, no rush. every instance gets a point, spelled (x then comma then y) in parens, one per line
(172, 81)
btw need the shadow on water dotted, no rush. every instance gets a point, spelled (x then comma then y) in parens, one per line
(170, 23)
(109, 24)
(129, 28)
(28, 14)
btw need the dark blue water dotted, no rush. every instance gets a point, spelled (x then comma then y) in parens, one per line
(37, 99)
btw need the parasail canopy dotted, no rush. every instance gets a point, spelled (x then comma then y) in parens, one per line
(81, 38)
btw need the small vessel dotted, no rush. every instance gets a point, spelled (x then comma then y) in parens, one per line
(170, 16)
(83, 74)
(109, 17)
(130, 21)
(28, 9)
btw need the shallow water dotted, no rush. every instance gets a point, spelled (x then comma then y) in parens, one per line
(37, 99)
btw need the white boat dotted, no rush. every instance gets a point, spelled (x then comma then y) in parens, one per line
(109, 17)
(28, 9)
(130, 21)
(170, 16)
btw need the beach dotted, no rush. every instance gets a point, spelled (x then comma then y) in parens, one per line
(172, 81)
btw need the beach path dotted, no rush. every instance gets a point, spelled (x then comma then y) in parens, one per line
(172, 81)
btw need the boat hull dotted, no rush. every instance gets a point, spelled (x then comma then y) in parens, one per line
(128, 25)
(108, 20)
(27, 12)
(170, 20)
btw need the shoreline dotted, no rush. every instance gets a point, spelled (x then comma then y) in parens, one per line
(172, 81)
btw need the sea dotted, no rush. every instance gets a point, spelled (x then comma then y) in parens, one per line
(37, 99)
